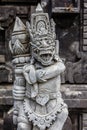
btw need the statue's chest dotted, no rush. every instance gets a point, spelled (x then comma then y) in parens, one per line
(47, 91)
(50, 86)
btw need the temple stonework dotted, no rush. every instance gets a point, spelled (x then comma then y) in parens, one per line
(70, 18)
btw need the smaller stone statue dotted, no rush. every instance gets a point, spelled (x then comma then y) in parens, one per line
(38, 104)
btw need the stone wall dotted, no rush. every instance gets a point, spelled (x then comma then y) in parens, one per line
(71, 30)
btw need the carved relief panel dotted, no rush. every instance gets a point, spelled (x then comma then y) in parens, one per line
(68, 33)
(70, 22)
(7, 17)
(66, 5)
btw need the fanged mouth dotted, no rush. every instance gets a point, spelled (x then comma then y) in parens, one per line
(46, 56)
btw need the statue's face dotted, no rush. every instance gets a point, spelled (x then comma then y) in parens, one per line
(43, 51)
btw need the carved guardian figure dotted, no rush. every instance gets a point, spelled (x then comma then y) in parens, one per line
(38, 104)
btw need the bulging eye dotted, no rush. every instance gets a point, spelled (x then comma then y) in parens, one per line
(38, 43)
(53, 43)
(49, 42)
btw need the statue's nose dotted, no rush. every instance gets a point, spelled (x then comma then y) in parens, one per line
(45, 44)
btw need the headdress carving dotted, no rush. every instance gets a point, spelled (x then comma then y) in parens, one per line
(41, 27)
(43, 37)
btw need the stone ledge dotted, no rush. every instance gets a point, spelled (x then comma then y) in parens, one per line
(76, 87)
(6, 94)
(6, 100)
(74, 95)
(76, 103)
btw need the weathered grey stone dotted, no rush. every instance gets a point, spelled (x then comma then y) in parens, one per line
(85, 22)
(74, 95)
(85, 29)
(2, 58)
(85, 35)
(68, 124)
(84, 41)
(85, 10)
(6, 95)
(84, 124)
(24, 1)
(6, 73)
(85, 5)
(1, 124)
(84, 48)
(38, 81)
(8, 122)
(85, 16)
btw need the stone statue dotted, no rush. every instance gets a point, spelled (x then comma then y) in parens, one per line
(38, 104)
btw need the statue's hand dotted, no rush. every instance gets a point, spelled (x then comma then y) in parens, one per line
(15, 118)
(39, 75)
(29, 74)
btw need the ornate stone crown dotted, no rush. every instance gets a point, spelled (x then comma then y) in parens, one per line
(41, 27)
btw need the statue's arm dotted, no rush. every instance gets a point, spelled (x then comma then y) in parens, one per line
(50, 71)
(29, 73)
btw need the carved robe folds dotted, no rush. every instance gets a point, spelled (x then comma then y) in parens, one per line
(43, 98)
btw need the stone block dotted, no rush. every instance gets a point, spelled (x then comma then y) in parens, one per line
(1, 124)
(85, 121)
(85, 22)
(6, 95)
(85, 5)
(85, 16)
(75, 95)
(84, 41)
(24, 1)
(2, 58)
(84, 48)
(67, 125)
(85, 1)
(85, 35)
(8, 123)
(85, 10)
(85, 29)
(84, 116)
